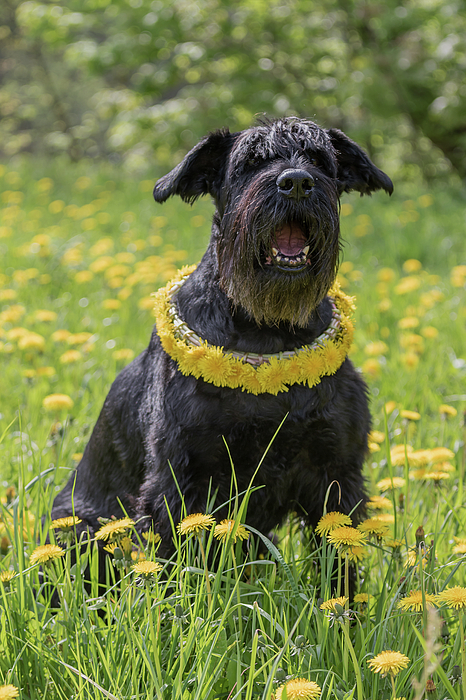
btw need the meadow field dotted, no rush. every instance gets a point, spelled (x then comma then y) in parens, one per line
(82, 248)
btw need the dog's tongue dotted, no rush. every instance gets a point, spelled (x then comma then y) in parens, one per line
(290, 240)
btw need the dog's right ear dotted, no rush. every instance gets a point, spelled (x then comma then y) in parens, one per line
(200, 172)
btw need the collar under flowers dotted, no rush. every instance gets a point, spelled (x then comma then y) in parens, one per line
(251, 372)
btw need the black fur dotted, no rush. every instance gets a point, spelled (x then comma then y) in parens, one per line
(241, 299)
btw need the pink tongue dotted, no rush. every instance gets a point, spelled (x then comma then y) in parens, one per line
(290, 240)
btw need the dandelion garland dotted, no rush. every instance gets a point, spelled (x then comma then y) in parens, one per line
(250, 372)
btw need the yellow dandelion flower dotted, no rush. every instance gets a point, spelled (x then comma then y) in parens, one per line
(114, 529)
(293, 370)
(385, 518)
(397, 449)
(67, 523)
(273, 376)
(45, 553)
(215, 366)
(393, 543)
(123, 354)
(78, 338)
(407, 284)
(459, 540)
(376, 436)
(454, 597)
(58, 402)
(332, 602)
(45, 315)
(390, 407)
(298, 689)
(384, 305)
(436, 476)
(224, 529)
(445, 466)
(459, 548)
(362, 598)
(346, 537)
(334, 357)
(412, 558)
(419, 458)
(331, 520)
(446, 410)
(374, 526)
(412, 265)
(440, 454)
(312, 366)
(379, 503)
(151, 537)
(8, 692)
(356, 554)
(46, 371)
(414, 601)
(375, 348)
(386, 274)
(188, 360)
(373, 447)
(7, 294)
(408, 322)
(195, 523)
(410, 415)
(70, 356)
(147, 568)
(249, 381)
(31, 341)
(372, 367)
(417, 474)
(391, 662)
(60, 336)
(429, 332)
(7, 576)
(397, 482)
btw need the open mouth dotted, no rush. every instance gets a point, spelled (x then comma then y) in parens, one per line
(289, 249)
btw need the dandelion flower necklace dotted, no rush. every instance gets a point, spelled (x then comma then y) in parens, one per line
(252, 372)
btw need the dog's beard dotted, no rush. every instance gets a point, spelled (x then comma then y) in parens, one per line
(248, 275)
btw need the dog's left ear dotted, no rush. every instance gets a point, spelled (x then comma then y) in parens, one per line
(200, 172)
(355, 169)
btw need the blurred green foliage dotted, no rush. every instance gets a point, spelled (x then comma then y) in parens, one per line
(134, 78)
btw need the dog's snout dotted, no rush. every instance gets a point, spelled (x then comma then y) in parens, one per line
(295, 184)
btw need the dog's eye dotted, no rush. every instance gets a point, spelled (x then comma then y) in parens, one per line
(253, 161)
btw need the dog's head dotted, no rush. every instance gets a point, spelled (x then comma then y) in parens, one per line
(276, 229)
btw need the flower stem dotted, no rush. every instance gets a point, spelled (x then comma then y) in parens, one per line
(463, 654)
(346, 622)
(206, 572)
(357, 670)
(392, 678)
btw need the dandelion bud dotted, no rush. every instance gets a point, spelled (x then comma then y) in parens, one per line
(420, 535)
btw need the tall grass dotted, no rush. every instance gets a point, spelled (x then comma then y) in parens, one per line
(222, 620)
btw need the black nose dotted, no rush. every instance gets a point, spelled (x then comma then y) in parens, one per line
(295, 184)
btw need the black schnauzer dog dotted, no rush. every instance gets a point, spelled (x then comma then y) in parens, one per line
(226, 364)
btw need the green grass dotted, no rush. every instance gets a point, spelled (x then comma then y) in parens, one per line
(88, 243)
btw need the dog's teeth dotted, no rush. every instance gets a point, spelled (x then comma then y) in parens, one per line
(306, 249)
(275, 251)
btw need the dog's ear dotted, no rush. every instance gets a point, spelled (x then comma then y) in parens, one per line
(355, 169)
(200, 172)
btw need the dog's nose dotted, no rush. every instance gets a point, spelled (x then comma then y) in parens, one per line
(294, 184)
